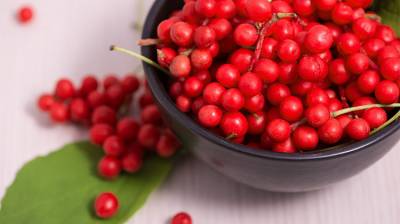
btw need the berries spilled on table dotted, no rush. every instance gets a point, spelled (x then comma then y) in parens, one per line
(279, 75)
(103, 107)
(25, 14)
(106, 205)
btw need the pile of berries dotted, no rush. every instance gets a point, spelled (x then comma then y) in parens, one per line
(104, 108)
(274, 75)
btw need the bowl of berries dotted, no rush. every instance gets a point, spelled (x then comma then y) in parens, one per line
(280, 95)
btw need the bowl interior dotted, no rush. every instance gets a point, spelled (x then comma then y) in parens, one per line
(157, 81)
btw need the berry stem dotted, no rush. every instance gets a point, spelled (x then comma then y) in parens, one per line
(395, 117)
(140, 57)
(363, 107)
(148, 42)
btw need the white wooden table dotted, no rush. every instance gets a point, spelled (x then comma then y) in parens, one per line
(71, 38)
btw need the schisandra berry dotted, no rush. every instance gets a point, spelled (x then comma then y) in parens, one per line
(109, 167)
(181, 218)
(25, 14)
(127, 129)
(148, 136)
(131, 162)
(106, 205)
(59, 112)
(100, 132)
(358, 129)
(104, 115)
(45, 102)
(113, 146)
(65, 89)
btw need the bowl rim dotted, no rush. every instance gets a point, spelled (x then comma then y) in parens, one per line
(162, 97)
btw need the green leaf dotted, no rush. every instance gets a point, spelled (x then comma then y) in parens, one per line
(389, 10)
(61, 187)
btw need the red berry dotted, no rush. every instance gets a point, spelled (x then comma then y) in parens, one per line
(106, 205)
(165, 56)
(267, 70)
(212, 93)
(305, 138)
(258, 10)
(325, 5)
(387, 92)
(167, 145)
(286, 146)
(269, 48)
(330, 132)
(226, 9)
(317, 115)
(64, 89)
(148, 136)
(45, 102)
(245, 35)
(193, 87)
(150, 114)
(113, 146)
(357, 63)
(127, 129)
(146, 99)
(180, 66)
(130, 84)
(317, 96)
(282, 29)
(204, 36)
(206, 8)
(373, 46)
(59, 112)
(115, 96)
(182, 34)
(79, 110)
(312, 69)
(278, 130)
(104, 115)
(96, 99)
(276, 93)
(250, 84)
(288, 51)
(303, 7)
(222, 27)
(131, 162)
(210, 116)
(234, 124)
(201, 59)
(342, 14)
(368, 81)
(318, 39)
(110, 80)
(348, 43)
(100, 132)
(25, 14)
(390, 68)
(181, 218)
(227, 75)
(257, 122)
(385, 33)
(163, 30)
(89, 84)
(375, 117)
(358, 129)
(232, 100)
(291, 109)
(364, 28)
(241, 59)
(109, 167)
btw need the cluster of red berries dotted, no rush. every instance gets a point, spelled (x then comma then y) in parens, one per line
(104, 108)
(271, 74)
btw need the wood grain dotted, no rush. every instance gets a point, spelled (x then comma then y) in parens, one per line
(71, 38)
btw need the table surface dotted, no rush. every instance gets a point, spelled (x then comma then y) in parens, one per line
(71, 38)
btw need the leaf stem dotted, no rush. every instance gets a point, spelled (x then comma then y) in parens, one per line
(140, 57)
(363, 107)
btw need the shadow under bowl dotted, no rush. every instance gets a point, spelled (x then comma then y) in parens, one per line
(261, 169)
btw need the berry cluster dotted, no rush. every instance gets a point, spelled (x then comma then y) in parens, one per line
(277, 74)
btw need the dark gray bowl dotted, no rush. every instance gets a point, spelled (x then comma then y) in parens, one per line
(260, 169)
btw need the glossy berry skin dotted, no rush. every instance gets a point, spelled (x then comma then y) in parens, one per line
(167, 145)
(45, 102)
(89, 84)
(348, 43)
(241, 59)
(291, 109)
(342, 14)
(64, 89)
(148, 136)
(287, 73)
(267, 70)
(100, 132)
(104, 115)
(164, 28)
(288, 51)
(206, 8)
(303, 7)
(221, 26)
(201, 59)
(368, 81)
(317, 96)
(106, 205)
(305, 138)
(225, 9)
(227, 75)
(113, 146)
(128, 128)
(212, 93)
(387, 92)
(165, 56)
(325, 5)
(357, 63)
(286, 146)
(210, 116)
(385, 33)
(109, 167)
(257, 122)
(204, 36)
(258, 10)
(245, 35)
(110, 80)
(234, 124)
(276, 93)
(255, 103)
(338, 73)
(25, 14)
(181, 218)
(180, 66)
(182, 34)
(96, 99)
(373, 46)
(330, 132)
(59, 112)
(318, 39)
(278, 130)
(269, 48)
(150, 115)
(232, 100)
(193, 87)
(283, 29)
(364, 28)
(131, 162)
(130, 84)
(250, 84)
(313, 69)
(375, 117)
(358, 129)
(317, 115)
(79, 110)
(390, 68)
(115, 96)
